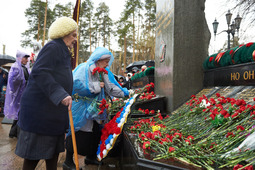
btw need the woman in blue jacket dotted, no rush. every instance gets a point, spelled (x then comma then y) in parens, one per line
(43, 118)
(87, 122)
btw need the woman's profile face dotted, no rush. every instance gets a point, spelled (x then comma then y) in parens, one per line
(103, 63)
(70, 39)
(24, 60)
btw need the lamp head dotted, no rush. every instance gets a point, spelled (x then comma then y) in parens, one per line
(228, 17)
(215, 26)
(238, 20)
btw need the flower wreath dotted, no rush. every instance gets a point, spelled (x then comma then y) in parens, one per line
(113, 128)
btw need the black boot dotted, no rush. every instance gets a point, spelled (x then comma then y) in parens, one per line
(14, 129)
(69, 164)
(92, 161)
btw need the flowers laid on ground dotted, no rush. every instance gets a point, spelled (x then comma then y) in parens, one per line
(147, 96)
(113, 128)
(146, 93)
(201, 132)
(144, 112)
(147, 111)
(116, 105)
(146, 89)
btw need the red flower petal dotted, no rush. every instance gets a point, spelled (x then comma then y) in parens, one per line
(171, 149)
(249, 44)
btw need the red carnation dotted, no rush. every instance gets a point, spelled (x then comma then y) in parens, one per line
(193, 96)
(212, 116)
(95, 70)
(230, 134)
(213, 144)
(227, 115)
(163, 140)
(234, 115)
(146, 145)
(149, 97)
(240, 127)
(103, 101)
(238, 166)
(252, 113)
(190, 137)
(188, 142)
(171, 149)
(106, 106)
(223, 112)
(147, 111)
(152, 111)
(160, 116)
(178, 135)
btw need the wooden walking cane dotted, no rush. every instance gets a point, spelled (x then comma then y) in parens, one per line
(74, 140)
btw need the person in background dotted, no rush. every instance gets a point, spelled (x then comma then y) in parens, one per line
(17, 82)
(3, 79)
(128, 83)
(43, 118)
(3, 83)
(134, 70)
(144, 67)
(121, 81)
(88, 122)
(125, 75)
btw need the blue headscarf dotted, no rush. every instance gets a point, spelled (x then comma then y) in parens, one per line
(81, 108)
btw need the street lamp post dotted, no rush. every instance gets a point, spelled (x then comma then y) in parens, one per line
(232, 28)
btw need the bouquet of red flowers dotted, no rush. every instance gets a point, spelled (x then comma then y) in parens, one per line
(99, 71)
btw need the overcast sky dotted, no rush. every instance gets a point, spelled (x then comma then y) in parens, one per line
(14, 22)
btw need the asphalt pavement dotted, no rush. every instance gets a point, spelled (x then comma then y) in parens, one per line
(10, 161)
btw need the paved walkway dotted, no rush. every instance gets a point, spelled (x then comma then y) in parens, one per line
(10, 161)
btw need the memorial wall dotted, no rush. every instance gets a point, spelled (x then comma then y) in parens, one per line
(182, 40)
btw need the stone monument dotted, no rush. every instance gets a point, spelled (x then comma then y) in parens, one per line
(182, 40)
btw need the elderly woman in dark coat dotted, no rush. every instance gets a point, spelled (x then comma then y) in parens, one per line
(43, 118)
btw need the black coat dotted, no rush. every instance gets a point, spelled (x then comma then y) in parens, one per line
(49, 83)
(128, 84)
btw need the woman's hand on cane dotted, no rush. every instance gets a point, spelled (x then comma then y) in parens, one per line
(67, 102)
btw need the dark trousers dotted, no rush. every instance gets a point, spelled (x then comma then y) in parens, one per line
(14, 131)
(87, 142)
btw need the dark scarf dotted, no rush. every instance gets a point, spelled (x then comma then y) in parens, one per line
(26, 74)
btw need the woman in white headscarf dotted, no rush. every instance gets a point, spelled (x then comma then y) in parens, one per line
(43, 118)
